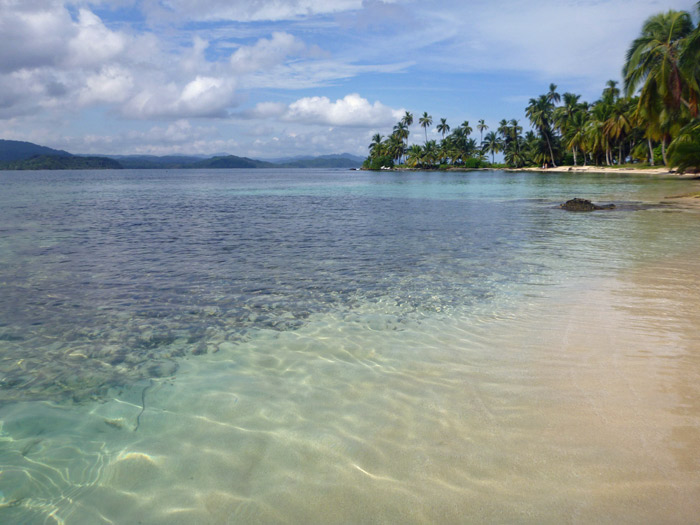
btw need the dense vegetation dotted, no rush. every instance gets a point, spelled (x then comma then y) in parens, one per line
(11, 150)
(651, 119)
(61, 162)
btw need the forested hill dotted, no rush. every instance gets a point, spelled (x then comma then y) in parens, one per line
(11, 150)
(59, 162)
(17, 155)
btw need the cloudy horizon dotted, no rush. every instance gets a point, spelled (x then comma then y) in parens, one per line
(274, 78)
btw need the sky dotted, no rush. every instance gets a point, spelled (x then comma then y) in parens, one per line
(277, 78)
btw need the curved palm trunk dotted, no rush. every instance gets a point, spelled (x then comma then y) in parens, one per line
(574, 150)
(651, 152)
(551, 153)
(663, 151)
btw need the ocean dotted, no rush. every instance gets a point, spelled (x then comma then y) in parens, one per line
(332, 346)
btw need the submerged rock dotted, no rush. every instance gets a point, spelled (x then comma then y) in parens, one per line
(584, 205)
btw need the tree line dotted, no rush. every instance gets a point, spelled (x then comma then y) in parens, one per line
(652, 118)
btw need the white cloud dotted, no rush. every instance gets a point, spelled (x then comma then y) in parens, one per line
(93, 43)
(32, 37)
(266, 53)
(202, 97)
(111, 84)
(352, 110)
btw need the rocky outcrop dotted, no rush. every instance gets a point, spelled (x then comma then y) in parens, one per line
(584, 205)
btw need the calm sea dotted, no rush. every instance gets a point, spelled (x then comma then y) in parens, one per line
(326, 346)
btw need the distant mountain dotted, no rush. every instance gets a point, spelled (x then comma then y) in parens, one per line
(26, 156)
(231, 161)
(11, 150)
(325, 161)
(344, 160)
(154, 162)
(61, 162)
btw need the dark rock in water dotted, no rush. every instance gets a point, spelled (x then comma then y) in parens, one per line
(584, 205)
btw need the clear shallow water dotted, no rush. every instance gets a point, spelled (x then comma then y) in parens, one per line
(337, 346)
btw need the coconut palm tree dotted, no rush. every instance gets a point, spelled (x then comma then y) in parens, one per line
(414, 155)
(401, 132)
(430, 153)
(466, 128)
(376, 145)
(684, 151)
(443, 127)
(618, 124)
(492, 144)
(407, 119)
(425, 121)
(503, 128)
(552, 95)
(576, 134)
(564, 113)
(652, 62)
(481, 126)
(540, 111)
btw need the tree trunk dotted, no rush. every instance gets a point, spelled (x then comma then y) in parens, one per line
(574, 150)
(651, 152)
(663, 151)
(551, 153)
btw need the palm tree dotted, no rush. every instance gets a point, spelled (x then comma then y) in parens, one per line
(466, 128)
(564, 113)
(481, 126)
(503, 128)
(492, 144)
(425, 121)
(401, 132)
(443, 127)
(539, 111)
(430, 152)
(611, 92)
(394, 147)
(407, 119)
(414, 155)
(618, 124)
(376, 145)
(576, 134)
(684, 151)
(653, 60)
(552, 95)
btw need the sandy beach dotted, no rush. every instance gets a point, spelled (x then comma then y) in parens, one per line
(607, 169)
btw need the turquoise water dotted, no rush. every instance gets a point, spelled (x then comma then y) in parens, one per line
(323, 346)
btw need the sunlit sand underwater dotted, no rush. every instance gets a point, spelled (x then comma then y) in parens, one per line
(348, 348)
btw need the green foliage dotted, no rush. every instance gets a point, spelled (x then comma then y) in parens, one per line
(684, 152)
(55, 162)
(377, 163)
(474, 163)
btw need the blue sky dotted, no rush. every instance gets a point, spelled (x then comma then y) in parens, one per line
(271, 78)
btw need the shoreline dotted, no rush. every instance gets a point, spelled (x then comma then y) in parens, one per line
(566, 169)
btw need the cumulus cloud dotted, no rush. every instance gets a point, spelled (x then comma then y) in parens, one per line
(202, 97)
(350, 111)
(110, 84)
(266, 53)
(32, 37)
(93, 43)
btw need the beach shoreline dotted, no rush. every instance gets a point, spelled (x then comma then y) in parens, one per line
(662, 171)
